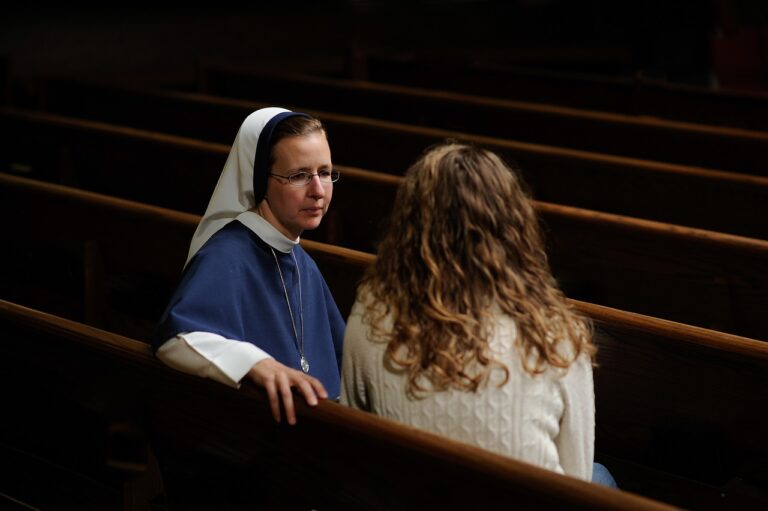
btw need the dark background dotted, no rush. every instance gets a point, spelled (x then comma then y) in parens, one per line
(716, 43)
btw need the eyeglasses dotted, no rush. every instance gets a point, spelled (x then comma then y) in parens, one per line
(304, 178)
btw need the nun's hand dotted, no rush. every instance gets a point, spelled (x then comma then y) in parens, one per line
(278, 380)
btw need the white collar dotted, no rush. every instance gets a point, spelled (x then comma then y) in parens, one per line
(266, 231)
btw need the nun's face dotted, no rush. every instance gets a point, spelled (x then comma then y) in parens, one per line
(293, 209)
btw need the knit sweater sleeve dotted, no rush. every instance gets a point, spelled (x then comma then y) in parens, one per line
(353, 364)
(576, 439)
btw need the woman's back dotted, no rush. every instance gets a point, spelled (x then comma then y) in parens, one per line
(460, 327)
(546, 419)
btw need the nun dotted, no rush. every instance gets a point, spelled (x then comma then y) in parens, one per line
(252, 303)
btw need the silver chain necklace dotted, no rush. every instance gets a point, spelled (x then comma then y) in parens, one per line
(299, 343)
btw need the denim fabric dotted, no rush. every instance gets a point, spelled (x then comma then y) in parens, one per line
(600, 475)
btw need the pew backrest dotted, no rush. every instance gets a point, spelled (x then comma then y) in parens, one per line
(685, 400)
(136, 252)
(113, 260)
(699, 277)
(685, 195)
(633, 96)
(344, 458)
(647, 138)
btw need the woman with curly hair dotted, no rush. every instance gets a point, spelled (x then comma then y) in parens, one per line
(460, 329)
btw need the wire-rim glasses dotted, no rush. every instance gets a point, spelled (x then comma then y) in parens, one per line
(304, 178)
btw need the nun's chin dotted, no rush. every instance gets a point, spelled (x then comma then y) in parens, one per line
(312, 222)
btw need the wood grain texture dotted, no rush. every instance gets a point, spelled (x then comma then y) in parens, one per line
(345, 459)
(683, 194)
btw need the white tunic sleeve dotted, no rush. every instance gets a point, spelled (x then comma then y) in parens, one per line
(576, 440)
(211, 356)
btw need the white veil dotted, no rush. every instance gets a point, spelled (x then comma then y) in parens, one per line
(234, 192)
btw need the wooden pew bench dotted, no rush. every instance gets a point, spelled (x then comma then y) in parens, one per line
(685, 195)
(685, 401)
(655, 380)
(110, 261)
(343, 458)
(686, 275)
(625, 95)
(608, 133)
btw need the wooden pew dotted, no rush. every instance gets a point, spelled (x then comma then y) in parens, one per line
(344, 458)
(686, 275)
(111, 159)
(111, 262)
(5, 80)
(684, 195)
(608, 133)
(625, 95)
(685, 401)
(136, 252)
(648, 390)
(628, 263)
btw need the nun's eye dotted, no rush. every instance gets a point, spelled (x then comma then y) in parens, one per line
(304, 178)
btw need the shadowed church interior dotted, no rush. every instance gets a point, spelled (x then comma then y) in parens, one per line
(639, 128)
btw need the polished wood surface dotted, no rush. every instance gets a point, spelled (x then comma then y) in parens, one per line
(628, 95)
(649, 138)
(680, 194)
(653, 378)
(683, 274)
(344, 458)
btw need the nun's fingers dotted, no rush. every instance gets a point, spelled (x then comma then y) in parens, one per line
(265, 373)
(284, 384)
(274, 400)
(278, 379)
(311, 388)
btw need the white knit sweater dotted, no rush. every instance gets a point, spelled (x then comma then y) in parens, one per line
(547, 420)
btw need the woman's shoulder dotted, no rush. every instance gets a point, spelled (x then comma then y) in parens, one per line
(577, 378)
(369, 318)
(506, 343)
(366, 301)
(362, 341)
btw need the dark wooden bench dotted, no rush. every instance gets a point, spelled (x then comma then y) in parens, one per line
(132, 280)
(633, 96)
(335, 458)
(656, 379)
(113, 262)
(697, 277)
(684, 195)
(5, 80)
(608, 133)
(685, 401)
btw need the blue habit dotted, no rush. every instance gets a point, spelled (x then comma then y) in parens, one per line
(231, 287)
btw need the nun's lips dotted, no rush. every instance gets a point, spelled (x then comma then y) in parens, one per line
(315, 210)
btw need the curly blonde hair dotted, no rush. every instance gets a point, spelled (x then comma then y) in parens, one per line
(463, 241)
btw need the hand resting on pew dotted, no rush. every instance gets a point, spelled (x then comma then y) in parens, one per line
(228, 361)
(278, 380)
